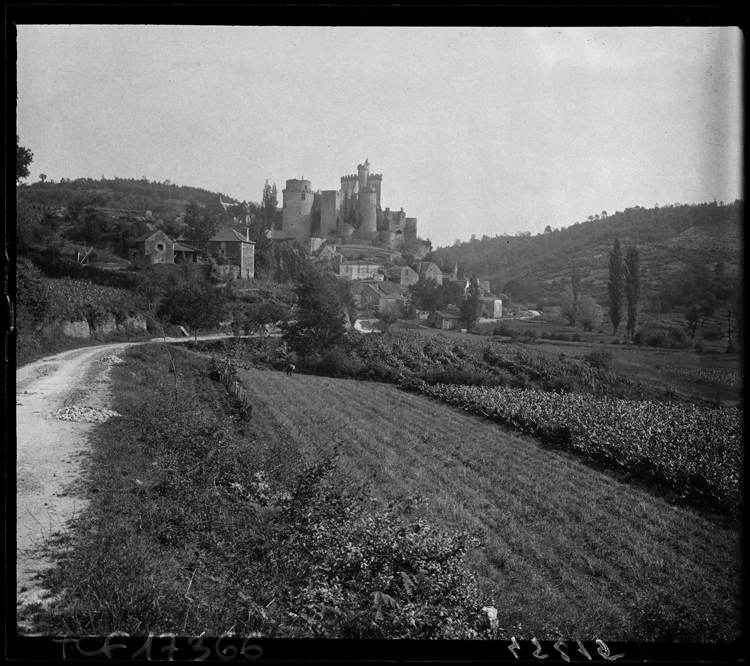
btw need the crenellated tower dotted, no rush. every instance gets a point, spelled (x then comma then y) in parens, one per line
(297, 208)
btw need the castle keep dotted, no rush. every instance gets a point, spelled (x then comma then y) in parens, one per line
(351, 214)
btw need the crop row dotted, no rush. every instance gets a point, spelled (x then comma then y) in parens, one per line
(724, 377)
(494, 363)
(81, 298)
(696, 452)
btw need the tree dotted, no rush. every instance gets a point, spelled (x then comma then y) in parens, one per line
(196, 305)
(200, 224)
(321, 309)
(269, 203)
(389, 315)
(472, 304)
(23, 159)
(632, 287)
(427, 295)
(615, 286)
(589, 313)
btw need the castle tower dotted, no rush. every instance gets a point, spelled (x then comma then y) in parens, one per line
(298, 202)
(367, 210)
(363, 170)
(375, 180)
(410, 228)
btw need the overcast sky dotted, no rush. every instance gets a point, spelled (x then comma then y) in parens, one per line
(475, 130)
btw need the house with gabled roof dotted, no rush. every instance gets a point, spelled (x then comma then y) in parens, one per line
(402, 275)
(429, 271)
(152, 247)
(448, 320)
(235, 249)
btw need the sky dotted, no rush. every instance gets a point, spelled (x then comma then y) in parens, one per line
(476, 131)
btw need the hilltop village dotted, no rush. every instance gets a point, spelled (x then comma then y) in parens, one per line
(346, 231)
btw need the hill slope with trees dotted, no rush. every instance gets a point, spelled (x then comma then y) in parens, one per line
(671, 239)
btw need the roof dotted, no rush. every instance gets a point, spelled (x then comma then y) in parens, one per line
(182, 247)
(389, 288)
(448, 315)
(148, 234)
(361, 262)
(228, 235)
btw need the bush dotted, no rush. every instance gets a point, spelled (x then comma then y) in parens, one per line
(575, 337)
(600, 359)
(505, 330)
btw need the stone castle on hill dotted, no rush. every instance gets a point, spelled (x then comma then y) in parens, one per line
(349, 215)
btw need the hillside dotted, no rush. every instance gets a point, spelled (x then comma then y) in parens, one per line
(669, 238)
(165, 200)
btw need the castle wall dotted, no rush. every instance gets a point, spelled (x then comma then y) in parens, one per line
(296, 213)
(330, 209)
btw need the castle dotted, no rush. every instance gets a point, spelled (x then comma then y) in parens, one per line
(349, 215)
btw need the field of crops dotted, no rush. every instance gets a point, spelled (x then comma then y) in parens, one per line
(696, 452)
(81, 298)
(440, 359)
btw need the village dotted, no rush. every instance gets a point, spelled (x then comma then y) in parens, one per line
(346, 233)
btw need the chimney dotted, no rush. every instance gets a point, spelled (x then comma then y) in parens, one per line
(247, 234)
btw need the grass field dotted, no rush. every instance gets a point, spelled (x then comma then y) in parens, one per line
(568, 549)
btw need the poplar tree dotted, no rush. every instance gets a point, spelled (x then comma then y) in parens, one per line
(632, 287)
(615, 286)
(472, 304)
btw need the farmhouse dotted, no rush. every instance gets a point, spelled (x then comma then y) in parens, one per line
(402, 275)
(445, 319)
(230, 246)
(153, 247)
(429, 271)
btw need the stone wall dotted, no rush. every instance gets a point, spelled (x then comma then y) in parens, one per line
(82, 329)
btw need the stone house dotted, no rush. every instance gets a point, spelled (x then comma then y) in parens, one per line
(402, 275)
(357, 270)
(446, 320)
(234, 249)
(429, 271)
(492, 307)
(153, 247)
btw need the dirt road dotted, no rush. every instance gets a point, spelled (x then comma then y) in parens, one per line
(50, 452)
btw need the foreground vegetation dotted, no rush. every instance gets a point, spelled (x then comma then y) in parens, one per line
(204, 522)
(201, 522)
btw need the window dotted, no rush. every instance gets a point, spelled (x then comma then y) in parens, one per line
(160, 247)
(303, 196)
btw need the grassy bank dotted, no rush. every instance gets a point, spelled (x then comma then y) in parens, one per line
(202, 522)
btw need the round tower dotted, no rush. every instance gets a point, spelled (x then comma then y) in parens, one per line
(367, 210)
(363, 170)
(295, 215)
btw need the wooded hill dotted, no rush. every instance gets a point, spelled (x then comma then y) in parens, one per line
(671, 239)
(165, 200)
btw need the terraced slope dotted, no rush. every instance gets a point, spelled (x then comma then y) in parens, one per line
(568, 548)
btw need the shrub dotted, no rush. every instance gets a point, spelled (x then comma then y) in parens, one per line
(600, 359)
(575, 337)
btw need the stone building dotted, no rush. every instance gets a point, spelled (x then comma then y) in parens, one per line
(152, 247)
(235, 249)
(402, 275)
(429, 271)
